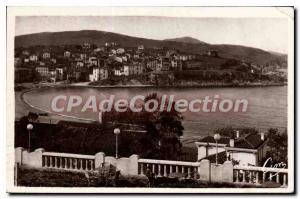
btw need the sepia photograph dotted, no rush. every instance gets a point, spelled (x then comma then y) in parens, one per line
(137, 100)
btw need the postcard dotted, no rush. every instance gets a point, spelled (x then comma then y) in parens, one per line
(150, 100)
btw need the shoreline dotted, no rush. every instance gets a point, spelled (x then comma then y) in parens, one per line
(87, 85)
(177, 86)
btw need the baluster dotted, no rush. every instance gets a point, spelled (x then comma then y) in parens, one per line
(153, 169)
(270, 176)
(46, 161)
(159, 170)
(92, 164)
(284, 179)
(257, 176)
(236, 176)
(244, 176)
(61, 162)
(142, 169)
(189, 172)
(195, 172)
(89, 165)
(182, 169)
(86, 165)
(177, 168)
(264, 176)
(66, 163)
(76, 163)
(71, 163)
(251, 177)
(50, 160)
(277, 178)
(165, 171)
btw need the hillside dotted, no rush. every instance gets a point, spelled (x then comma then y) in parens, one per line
(189, 40)
(100, 37)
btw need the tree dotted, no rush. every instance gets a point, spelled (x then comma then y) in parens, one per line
(278, 146)
(163, 130)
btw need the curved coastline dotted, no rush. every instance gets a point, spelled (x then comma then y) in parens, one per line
(50, 112)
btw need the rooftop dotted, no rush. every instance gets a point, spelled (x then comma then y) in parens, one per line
(248, 141)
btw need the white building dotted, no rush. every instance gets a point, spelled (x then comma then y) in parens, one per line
(118, 59)
(120, 51)
(95, 76)
(43, 71)
(33, 58)
(98, 74)
(122, 71)
(82, 56)
(141, 47)
(67, 54)
(46, 55)
(53, 60)
(93, 61)
(79, 64)
(246, 150)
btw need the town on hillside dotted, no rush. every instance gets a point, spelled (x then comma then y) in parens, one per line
(113, 64)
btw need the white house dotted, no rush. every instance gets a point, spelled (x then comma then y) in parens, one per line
(124, 70)
(46, 55)
(141, 47)
(67, 54)
(98, 74)
(43, 71)
(120, 50)
(95, 76)
(246, 150)
(33, 58)
(93, 61)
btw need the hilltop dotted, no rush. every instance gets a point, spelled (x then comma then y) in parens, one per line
(189, 40)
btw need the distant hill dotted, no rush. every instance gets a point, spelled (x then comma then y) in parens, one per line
(189, 40)
(185, 44)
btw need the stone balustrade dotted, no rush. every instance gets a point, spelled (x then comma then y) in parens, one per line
(260, 175)
(68, 161)
(163, 168)
(133, 165)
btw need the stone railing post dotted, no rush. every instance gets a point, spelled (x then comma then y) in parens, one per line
(227, 172)
(204, 171)
(37, 158)
(33, 159)
(99, 159)
(19, 155)
(133, 166)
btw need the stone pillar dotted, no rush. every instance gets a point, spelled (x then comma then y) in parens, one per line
(202, 152)
(133, 166)
(227, 172)
(99, 159)
(204, 171)
(37, 158)
(19, 155)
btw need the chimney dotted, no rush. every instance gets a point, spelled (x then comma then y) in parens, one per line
(231, 142)
(237, 134)
(262, 136)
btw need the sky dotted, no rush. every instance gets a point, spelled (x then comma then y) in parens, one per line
(266, 33)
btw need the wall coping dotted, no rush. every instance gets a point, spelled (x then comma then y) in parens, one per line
(263, 169)
(169, 162)
(69, 155)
